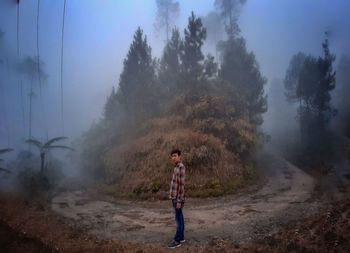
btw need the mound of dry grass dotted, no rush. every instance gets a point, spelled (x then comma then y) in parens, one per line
(213, 137)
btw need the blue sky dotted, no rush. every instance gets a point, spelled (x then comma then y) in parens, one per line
(98, 34)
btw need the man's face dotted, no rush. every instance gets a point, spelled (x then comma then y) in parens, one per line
(175, 158)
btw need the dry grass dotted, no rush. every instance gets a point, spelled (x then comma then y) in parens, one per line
(213, 137)
(143, 168)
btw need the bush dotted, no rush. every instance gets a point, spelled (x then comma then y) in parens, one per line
(32, 181)
(29, 177)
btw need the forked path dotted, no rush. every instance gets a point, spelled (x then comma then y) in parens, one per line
(285, 196)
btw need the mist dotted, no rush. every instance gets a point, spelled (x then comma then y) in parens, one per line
(97, 36)
(95, 94)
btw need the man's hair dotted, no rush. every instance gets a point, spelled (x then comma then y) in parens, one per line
(175, 151)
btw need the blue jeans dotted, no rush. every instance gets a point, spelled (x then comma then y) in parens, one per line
(180, 223)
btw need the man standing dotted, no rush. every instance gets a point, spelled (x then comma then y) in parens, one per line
(177, 196)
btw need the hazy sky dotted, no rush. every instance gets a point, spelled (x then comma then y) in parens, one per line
(98, 34)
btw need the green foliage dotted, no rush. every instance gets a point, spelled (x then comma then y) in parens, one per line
(191, 52)
(112, 113)
(169, 71)
(240, 69)
(137, 81)
(95, 142)
(212, 117)
(292, 76)
(309, 81)
(31, 179)
(341, 94)
(45, 147)
(210, 68)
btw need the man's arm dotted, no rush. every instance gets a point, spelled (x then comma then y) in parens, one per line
(181, 186)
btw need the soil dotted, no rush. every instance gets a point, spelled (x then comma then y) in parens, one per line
(12, 241)
(286, 212)
(285, 196)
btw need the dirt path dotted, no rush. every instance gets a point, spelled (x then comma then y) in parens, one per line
(286, 196)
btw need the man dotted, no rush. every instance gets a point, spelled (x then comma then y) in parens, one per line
(177, 196)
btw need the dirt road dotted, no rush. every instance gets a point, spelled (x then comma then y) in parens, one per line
(285, 196)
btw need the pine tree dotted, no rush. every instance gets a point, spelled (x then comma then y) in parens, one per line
(111, 109)
(341, 95)
(240, 69)
(315, 80)
(229, 10)
(137, 80)
(167, 12)
(170, 64)
(191, 51)
(292, 76)
(327, 83)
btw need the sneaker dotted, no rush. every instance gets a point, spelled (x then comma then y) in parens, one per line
(174, 245)
(183, 241)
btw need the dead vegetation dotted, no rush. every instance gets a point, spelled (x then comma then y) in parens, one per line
(328, 231)
(217, 143)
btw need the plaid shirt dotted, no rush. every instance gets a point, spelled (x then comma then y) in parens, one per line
(177, 187)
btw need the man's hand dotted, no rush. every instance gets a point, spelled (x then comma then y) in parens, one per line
(178, 205)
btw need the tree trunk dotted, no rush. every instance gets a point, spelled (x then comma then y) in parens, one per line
(42, 157)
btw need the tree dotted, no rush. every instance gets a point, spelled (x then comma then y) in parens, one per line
(341, 95)
(167, 12)
(169, 71)
(46, 147)
(2, 151)
(191, 50)
(135, 92)
(110, 106)
(314, 82)
(241, 70)
(292, 76)
(210, 67)
(327, 82)
(229, 10)
(343, 78)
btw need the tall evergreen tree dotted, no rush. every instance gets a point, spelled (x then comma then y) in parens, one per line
(137, 80)
(169, 71)
(341, 95)
(167, 12)
(241, 70)
(111, 108)
(327, 82)
(191, 51)
(229, 10)
(292, 76)
(315, 80)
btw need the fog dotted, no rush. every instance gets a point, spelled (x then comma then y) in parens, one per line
(97, 36)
